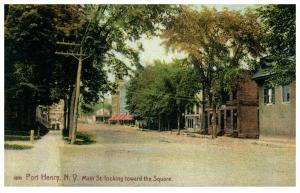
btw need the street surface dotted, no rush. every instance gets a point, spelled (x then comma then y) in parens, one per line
(125, 156)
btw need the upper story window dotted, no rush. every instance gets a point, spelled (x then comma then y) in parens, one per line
(285, 93)
(269, 95)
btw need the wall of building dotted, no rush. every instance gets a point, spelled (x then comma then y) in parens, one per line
(115, 101)
(278, 119)
(122, 98)
(119, 99)
(248, 121)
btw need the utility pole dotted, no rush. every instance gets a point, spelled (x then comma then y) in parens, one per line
(79, 57)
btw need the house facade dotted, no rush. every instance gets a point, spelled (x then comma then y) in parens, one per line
(238, 116)
(193, 115)
(277, 107)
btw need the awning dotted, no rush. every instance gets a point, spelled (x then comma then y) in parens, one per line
(121, 117)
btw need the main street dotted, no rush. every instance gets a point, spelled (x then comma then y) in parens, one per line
(126, 156)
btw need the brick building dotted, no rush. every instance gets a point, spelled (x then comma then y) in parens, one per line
(238, 116)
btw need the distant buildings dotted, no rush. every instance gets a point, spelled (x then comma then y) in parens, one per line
(102, 115)
(193, 115)
(119, 99)
(52, 116)
(119, 112)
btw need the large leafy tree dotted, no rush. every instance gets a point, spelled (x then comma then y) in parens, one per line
(31, 32)
(279, 24)
(162, 91)
(218, 43)
(105, 32)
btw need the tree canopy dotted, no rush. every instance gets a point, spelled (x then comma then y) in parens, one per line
(31, 31)
(162, 89)
(219, 45)
(279, 37)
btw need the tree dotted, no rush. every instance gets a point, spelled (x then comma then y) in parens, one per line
(162, 91)
(106, 29)
(30, 36)
(279, 25)
(218, 43)
(103, 31)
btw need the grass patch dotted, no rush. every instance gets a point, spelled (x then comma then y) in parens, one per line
(19, 138)
(82, 138)
(17, 146)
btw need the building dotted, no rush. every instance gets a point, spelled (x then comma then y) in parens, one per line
(51, 116)
(102, 115)
(193, 115)
(119, 98)
(119, 112)
(237, 116)
(277, 106)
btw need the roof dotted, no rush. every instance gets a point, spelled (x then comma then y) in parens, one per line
(265, 68)
(121, 117)
(262, 73)
(266, 65)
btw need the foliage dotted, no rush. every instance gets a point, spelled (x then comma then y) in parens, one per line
(35, 75)
(17, 146)
(219, 44)
(162, 89)
(279, 24)
(82, 138)
(90, 109)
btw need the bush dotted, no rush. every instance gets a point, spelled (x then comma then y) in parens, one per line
(19, 138)
(17, 146)
(82, 138)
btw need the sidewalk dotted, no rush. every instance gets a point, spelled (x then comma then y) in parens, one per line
(34, 165)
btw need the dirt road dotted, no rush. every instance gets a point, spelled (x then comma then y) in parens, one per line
(125, 156)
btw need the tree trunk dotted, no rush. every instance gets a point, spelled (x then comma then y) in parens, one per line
(71, 114)
(214, 122)
(159, 129)
(203, 111)
(178, 123)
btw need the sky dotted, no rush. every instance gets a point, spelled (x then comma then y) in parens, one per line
(153, 49)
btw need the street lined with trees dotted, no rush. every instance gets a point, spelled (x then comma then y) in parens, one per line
(220, 44)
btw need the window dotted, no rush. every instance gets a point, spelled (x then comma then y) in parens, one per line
(285, 93)
(269, 95)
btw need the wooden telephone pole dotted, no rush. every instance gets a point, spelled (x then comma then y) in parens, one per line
(79, 56)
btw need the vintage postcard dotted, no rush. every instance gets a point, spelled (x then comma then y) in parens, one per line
(189, 95)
